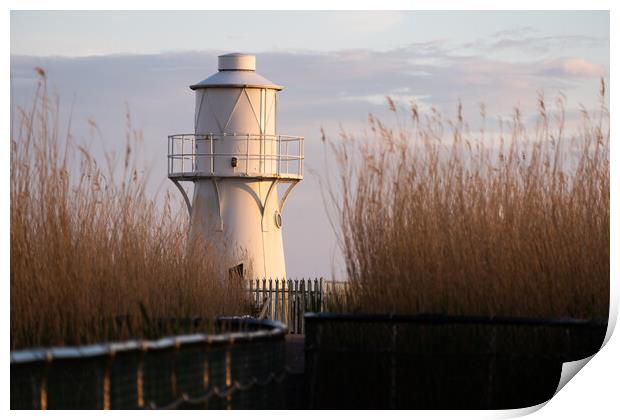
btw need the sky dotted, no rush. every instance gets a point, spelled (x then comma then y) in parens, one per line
(337, 67)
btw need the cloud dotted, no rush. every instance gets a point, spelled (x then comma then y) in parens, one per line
(515, 32)
(402, 100)
(546, 44)
(321, 90)
(524, 40)
(574, 67)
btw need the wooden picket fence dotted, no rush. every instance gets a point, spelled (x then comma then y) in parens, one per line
(287, 300)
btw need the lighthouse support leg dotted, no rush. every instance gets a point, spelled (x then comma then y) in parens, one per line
(273, 187)
(219, 205)
(185, 197)
(286, 193)
(263, 206)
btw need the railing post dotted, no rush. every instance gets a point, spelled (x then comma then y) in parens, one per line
(279, 161)
(301, 154)
(194, 153)
(182, 154)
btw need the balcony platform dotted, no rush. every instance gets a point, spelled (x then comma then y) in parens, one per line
(194, 176)
(257, 156)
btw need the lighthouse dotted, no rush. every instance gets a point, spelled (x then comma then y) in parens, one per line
(242, 170)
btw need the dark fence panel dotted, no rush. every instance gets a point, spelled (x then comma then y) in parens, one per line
(241, 368)
(440, 362)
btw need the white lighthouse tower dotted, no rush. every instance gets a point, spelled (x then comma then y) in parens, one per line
(237, 161)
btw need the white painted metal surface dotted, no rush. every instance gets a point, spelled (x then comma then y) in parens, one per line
(236, 161)
(236, 61)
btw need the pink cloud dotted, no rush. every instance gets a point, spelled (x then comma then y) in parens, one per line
(576, 67)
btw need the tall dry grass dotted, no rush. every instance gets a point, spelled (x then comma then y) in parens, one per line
(434, 217)
(88, 246)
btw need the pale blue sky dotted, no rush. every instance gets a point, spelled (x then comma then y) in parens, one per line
(81, 33)
(336, 68)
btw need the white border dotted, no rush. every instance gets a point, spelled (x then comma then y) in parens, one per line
(592, 393)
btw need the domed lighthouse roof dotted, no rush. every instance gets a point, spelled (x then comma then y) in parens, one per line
(236, 70)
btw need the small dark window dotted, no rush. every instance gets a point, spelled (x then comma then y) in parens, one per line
(236, 271)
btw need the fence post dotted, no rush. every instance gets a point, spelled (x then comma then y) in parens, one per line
(283, 300)
(291, 314)
(251, 288)
(43, 389)
(269, 297)
(303, 305)
(291, 296)
(313, 295)
(106, 382)
(263, 290)
(256, 301)
(323, 296)
(300, 309)
(296, 304)
(140, 379)
(289, 303)
(300, 297)
(276, 311)
(310, 305)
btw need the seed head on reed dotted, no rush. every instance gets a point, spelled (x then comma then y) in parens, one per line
(89, 248)
(515, 223)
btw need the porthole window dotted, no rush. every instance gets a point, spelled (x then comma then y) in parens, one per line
(278, 219)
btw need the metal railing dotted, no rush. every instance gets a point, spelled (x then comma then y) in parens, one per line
(192, 156)
(243, 367)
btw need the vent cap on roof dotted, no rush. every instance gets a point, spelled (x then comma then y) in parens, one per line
(236, 70)
(236, 61)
